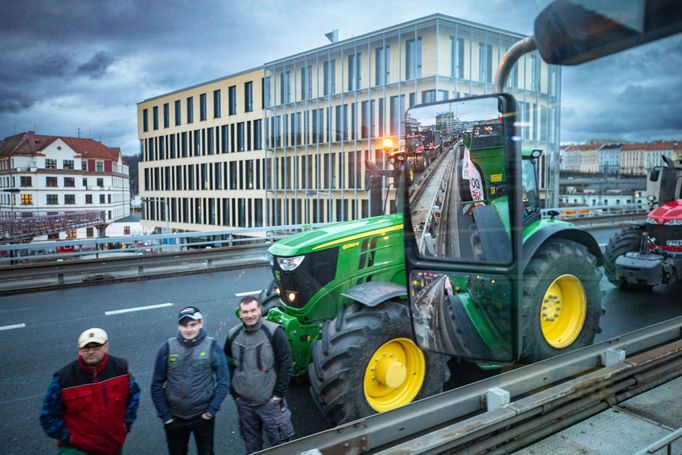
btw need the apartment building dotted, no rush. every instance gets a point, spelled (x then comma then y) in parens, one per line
(49, 175)
(286, 143)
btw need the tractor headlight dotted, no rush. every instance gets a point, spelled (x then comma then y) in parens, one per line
(289, 264)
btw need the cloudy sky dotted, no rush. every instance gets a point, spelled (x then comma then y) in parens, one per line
(83, 65)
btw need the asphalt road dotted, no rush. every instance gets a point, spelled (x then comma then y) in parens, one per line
(53, 320)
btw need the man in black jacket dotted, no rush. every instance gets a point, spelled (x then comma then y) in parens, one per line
(260, 368)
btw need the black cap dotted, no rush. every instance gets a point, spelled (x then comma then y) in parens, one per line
(190, 312)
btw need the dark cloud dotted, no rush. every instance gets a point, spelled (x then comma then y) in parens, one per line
(96, 66)
(85, 64)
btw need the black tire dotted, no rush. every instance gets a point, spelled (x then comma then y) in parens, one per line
(558, 257)
(345, 348)
(625, 241)
(268, 298)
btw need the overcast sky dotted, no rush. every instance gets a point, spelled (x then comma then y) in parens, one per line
(77, 64)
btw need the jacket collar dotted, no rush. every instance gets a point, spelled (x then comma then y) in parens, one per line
(97, 369)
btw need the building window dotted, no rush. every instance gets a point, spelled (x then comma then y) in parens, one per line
(329, 76)
(382, 64)
(67, 164)
(306, 82)
(99, 166)
(202, 107)
(71, 234)
(100, 182)
(485, 62)
(155, 117)
(85, 183)
(51, 182)
(88, 198)
(534, 72)
(240, 136)
(285, 87)
(413, 59)
(126, 230)
(145, 120)
(25, 181)
(232, 100)
(69, 182)
(52, 199)
(248, 96)
(166, 115)
(216, 104)
(457, 57)
(177, 113)
(70, 199)
(101, 199)
(84, 165)
(50, 163)
(354, 71)
(190, 110)
(26, 199)
(266, 92)
(89, 232)
(257, 132)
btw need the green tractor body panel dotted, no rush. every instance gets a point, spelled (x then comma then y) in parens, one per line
(337, 258)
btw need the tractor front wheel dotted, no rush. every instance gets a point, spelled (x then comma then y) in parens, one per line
(367, 362)
(561, 303)
(625, 241)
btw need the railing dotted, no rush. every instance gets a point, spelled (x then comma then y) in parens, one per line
(663, 445)
(17, 229)
(596, 211)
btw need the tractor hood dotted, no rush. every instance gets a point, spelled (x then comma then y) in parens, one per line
(670, 211)
(334, 235)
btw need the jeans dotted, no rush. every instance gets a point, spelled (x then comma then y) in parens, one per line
(179, 430)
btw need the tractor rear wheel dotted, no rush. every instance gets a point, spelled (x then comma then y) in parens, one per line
(561, 303)
(625, 241)
(367, 362)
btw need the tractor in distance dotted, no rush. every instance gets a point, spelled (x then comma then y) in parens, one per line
(649, 253)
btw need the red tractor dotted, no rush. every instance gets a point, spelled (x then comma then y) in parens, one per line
(650, 253)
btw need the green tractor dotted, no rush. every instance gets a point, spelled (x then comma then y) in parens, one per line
(522, 288)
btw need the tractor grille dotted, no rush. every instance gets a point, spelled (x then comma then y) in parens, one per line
(316, 270)
(663, 233)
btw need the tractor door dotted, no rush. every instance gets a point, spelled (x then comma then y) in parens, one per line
(463, 233)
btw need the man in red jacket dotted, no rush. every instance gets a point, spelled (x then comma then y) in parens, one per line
(92, 402)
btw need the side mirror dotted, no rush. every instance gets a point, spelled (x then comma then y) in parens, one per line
(462, 229)
(569, 32)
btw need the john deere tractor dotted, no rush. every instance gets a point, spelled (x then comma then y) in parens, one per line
(487, 278)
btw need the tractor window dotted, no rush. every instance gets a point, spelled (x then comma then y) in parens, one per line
(530, 187)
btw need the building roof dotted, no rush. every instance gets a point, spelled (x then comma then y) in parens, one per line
(30, 143)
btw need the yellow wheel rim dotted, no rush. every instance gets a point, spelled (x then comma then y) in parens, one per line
(562, 315)
(394, 374)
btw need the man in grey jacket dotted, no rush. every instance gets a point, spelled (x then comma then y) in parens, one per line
(260, 366)
(190, 382)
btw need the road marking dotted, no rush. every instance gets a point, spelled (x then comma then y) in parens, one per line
(139, 308)
(13, 326)
(242, 294)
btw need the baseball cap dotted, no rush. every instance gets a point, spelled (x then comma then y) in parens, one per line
(93, 335)
(191, 312)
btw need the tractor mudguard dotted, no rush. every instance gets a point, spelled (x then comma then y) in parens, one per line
(372, 293)
(539, 238)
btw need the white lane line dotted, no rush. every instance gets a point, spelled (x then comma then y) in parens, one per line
(242, 294)
(13, 326)
(139, 308)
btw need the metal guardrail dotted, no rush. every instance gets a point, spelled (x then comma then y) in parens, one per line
(596, 211)
(663, 445)
(551, 388)
(155, 243)
(42, 276)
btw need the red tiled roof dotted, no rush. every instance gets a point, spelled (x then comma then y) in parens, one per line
(29, 143)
